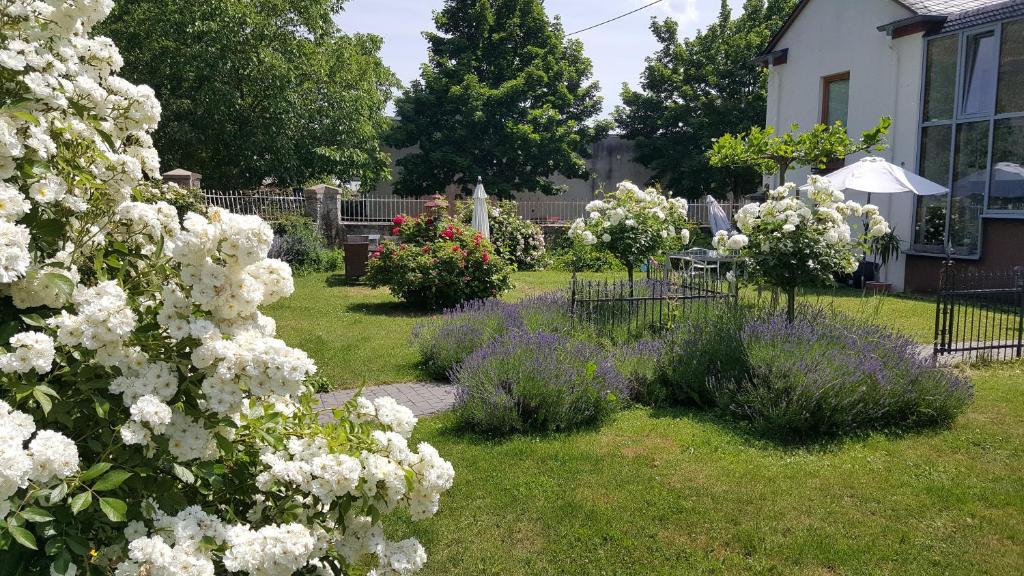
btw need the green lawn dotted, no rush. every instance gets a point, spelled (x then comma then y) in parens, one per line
(360, 336)
(680, 493)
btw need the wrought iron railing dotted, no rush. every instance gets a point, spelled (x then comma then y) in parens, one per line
(980, 314)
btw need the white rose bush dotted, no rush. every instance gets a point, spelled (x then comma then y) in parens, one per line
(634, 225)
(789, 242)
(150, 422)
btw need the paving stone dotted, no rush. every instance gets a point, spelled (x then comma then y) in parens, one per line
(423, 398)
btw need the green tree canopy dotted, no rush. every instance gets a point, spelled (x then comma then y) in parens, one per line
(258, 89)
(762, 150)
(693, 91)
(504, 95)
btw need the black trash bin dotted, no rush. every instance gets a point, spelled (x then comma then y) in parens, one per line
(357, 256)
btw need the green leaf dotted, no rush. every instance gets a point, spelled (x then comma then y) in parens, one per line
(94, 471)
(184, 474)
(58, 493)
(78, 545)
(26, 116)
(102, 406)
(33, 320)
(23, 536)
(114, 509)
(44, 401)
(61, 563)
(111, 480)
(36, 515)
(64, 284)
(81, 502)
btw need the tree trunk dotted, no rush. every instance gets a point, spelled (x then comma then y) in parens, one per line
(791, 304)
(629, 274)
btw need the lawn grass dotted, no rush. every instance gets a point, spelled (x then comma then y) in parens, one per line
(682, 493)
(360, 336)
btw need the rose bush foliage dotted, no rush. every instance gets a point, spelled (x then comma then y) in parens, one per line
(790, 242)
(437, 264)
(517, 240)
(150, 422)
(632, 224)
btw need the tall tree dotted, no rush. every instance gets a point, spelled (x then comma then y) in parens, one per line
(695, 90)
(504, 95)
(258, 89)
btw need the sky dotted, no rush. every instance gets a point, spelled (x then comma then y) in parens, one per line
(617, 49)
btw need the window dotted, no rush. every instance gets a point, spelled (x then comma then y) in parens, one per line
(980, 74)
(972, 135)
(930, 225)
(1011, 69)
(940, 78)
(835, 99)
(1006, 190)
(970, 179)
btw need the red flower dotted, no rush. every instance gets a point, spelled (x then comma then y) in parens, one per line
(398, 220)
(426, 249)
(486, 257)
(448, 233)
(395, 231)
(477, 238)
(455, 248)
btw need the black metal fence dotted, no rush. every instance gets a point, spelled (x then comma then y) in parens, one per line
(980, 315)
(622, 309)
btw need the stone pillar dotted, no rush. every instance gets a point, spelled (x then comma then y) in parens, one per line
(323, 206)
(452, 196)
(183, 178)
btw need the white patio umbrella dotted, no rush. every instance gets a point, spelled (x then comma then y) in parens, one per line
(876, 176)
(717, 217)
(480, 221)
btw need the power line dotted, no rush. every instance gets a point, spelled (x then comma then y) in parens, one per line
(619, 17)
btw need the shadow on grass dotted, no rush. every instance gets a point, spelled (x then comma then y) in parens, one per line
(389, 309)
(340, 280)
(748, 434)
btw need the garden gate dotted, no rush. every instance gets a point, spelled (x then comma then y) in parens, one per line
(980, 314)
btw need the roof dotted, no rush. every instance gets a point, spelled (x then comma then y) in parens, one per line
(945, 7)
(991, 12)
(960, 14)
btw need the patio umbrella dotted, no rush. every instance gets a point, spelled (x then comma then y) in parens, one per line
(480, 222)
(717, 217)
(876, 176)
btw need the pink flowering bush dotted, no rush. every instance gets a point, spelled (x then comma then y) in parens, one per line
(150, 421)
(437, 264)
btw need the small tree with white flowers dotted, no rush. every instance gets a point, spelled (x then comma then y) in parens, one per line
(789, 242)
(633, 225)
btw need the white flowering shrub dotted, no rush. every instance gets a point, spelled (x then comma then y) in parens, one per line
(150, 422)
(790, 242)
(632, 224)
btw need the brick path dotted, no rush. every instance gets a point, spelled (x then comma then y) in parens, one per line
(422, 398)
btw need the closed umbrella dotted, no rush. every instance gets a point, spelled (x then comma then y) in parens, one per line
(717, 218)
(480, 221)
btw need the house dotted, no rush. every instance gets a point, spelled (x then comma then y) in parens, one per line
(950, 74)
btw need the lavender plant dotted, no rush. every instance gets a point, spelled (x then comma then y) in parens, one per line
(445, 341)
(536, 382)
(828, 374)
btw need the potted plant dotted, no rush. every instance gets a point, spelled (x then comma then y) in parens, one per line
(883, 249)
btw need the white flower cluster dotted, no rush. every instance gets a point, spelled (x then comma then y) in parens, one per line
(32, 351)
(103, 318)
(632, 215)
(49, 456)
(822, 220)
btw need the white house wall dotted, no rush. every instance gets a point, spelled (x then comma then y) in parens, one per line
(835, 36)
